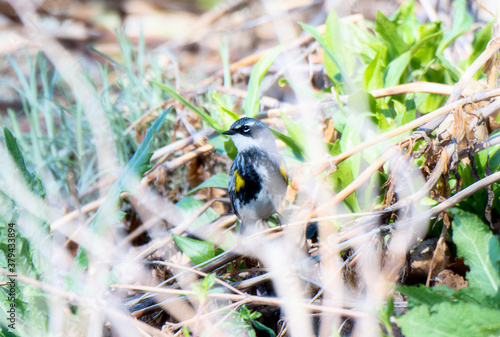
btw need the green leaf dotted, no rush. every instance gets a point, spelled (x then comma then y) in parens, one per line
(197, 251)
(218, 142)
(450, 70)
(462, 22)
(476, 296)
(450, 319)
(343, 176)
(140, 161)
(424, 50)
(208, 282)
(351, 137)
(396, 69)
(428, 102)
(15, 153)
(481, 39)
(251, 105)
(290, 142)
(230, 148)
(218, 180)
(373, 78)
(388, 31)
(405, 113)
(318, 37)
(228, 117)
(386, 312)
(203, 115)
(296, 131)
(337, 41)
(189, 205)
(361, 102)
(202, 288)
(258, 325)
(494, 157)
(480, 249)
(426, 295)
(407, 23)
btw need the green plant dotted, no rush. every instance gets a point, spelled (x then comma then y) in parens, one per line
(359, 63)
(471, 311)
(18, 252)
(61, 143)
(244, 322)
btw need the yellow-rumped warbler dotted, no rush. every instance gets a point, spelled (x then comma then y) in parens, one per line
(258, 179)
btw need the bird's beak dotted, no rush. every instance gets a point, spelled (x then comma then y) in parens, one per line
(228, 132)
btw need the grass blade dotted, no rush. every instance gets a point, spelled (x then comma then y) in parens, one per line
(251, 105)
(203, 115)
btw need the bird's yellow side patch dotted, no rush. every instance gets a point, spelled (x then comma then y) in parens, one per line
(283, 172)
(240, 182)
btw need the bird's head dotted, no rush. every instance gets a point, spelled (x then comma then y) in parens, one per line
(250, 132)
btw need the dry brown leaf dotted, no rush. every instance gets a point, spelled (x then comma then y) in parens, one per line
(421, 257)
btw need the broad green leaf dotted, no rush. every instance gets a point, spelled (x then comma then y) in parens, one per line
(423, 57)
(489, 156)
(428, 102)
(372, 197)
(462, 22)
(481, 39)
(479, 247)
(426, 295)
(450, 319)
(405, 113)
(339, 120)
(218, 142)
(251, 104)
(318, 37)
(396, 69)
(361, 102)
(230, 148)
(337, 40)
(388, 31)
(188, 205)
(476, 296)
(373, 78)
(258, 325)
(296, 131)
(450, 70)
(203, 115)
(494, 157)
(424, 49)
(218, 180)
(386, 312)
(406, 22)
(197, 251)
(351, 137)
(289, 142)
(343, 176)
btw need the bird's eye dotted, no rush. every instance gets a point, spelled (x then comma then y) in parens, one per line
(245, 128)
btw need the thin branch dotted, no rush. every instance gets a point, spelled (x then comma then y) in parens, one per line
(271, 301)
(412, 125)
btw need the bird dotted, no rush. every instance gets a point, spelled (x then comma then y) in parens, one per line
(258, 179)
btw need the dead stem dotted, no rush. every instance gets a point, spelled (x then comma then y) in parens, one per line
(272, 301)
